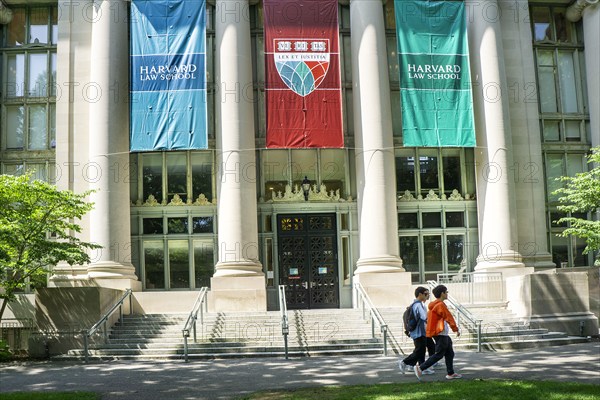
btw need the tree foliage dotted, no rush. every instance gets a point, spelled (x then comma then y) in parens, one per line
(581, 193)
(38, 223)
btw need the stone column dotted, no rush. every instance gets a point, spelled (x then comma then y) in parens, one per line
(238, 283)
(379, 267)
(493, 155)
(109, 147)
(590, 11)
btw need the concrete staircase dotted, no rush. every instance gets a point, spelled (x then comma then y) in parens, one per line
(312, 333)
(233, 335)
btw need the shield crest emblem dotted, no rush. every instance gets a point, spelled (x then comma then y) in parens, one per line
(302, 64)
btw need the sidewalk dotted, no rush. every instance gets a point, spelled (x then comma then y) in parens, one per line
(227, 379)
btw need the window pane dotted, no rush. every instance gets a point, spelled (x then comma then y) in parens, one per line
(432, 251)
(38, 75)
(572, 133)
(202, 225)
(52, 126)
(38, 132)
(455, 219)
(52, 84)
(541, 24)
(409, 252)
(16, 29)
(547, 89)
(560, 250)
(396, 114)
(554, 169)
(152, 176)
(154, 261)
(176, 176)
(562, 26)
(38, 26)
(452, 174)
(202, 175)
(432, 220)
(566, 78)
(179, 264)
(54, 28)
(333, 170)
(579, 260)
(275, 170)
(455, 244)
(575, 164)
(15, 124)
(39, 172)
(153, 226)
(405, 174)
(203, 262)
(551, 131)
(15, 79)
(14, 169)
(177, 225)
(428, 166)
(392, 58)
(408, 221)
(304, 163)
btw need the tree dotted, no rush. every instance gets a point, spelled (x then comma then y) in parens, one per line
(37, 228)
(582, 194)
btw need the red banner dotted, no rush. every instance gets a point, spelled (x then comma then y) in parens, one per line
(302, 67)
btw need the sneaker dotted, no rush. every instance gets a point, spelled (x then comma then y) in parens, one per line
(418, 372)
(409, 367)
(402, 366)
(428, 371)
(454, 376)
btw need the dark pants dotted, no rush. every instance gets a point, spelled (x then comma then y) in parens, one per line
(443, 349)
(430, 347)
(418, 354)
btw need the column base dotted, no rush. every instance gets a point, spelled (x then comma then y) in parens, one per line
(387, 289)
(509, 263)
(106, 274)
(385, 264)
(237, 294)
(542, 261)
(238, 268)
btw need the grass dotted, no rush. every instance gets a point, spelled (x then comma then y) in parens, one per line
(466, 389)
(49, 396)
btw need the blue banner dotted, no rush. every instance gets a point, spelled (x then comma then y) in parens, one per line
(168, 75)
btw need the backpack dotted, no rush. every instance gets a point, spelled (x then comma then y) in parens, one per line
(409, 319)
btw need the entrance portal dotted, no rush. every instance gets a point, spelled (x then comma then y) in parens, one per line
(308, 267)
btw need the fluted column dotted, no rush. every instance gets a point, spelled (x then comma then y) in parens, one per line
(379, 248)
(238, 272)
(108, 143)
(493, 156)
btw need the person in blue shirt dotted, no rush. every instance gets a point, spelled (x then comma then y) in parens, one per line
(418, 334)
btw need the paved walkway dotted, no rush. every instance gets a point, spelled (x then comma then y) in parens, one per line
(227, 379)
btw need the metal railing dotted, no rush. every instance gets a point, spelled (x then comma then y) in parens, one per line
(364, 302)
(471, 322)
(87, 333)
(285, 327)
(190, 324)
(474, 287)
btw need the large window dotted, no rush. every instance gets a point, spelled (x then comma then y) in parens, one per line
(564, 116)
(28, 101)
(328, 167)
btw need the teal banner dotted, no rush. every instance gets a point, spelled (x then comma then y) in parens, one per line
(435, 79)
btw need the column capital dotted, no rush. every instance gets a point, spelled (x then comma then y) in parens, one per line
(575, 10)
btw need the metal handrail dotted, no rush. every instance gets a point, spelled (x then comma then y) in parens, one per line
(87, 333)
(374, 314)
(190, 324)
(285, 327)
(476, 323)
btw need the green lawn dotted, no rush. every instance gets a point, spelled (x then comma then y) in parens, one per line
(50, 396)
(463, 389)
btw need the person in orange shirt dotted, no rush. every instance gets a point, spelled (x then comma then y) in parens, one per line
(439, 323)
